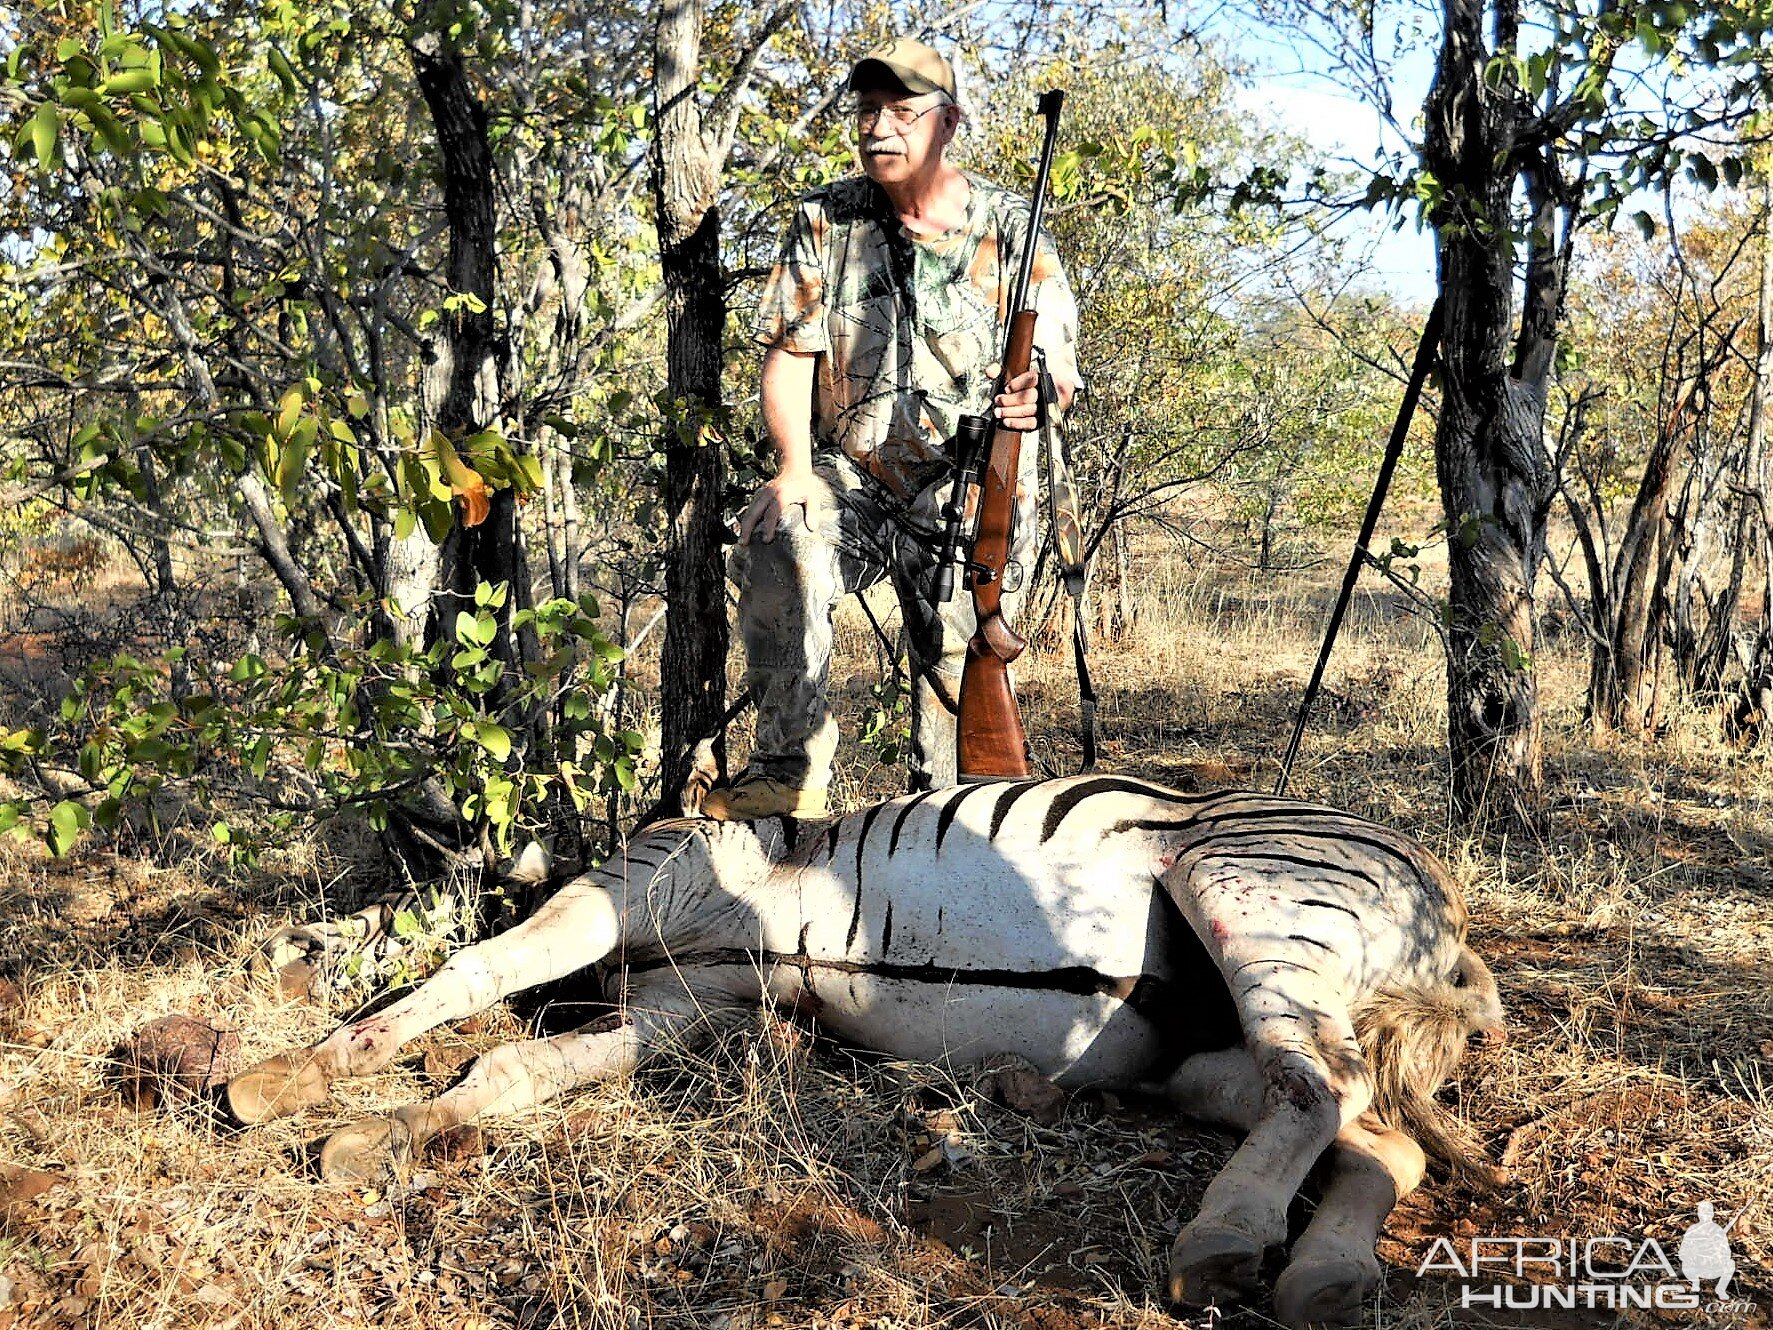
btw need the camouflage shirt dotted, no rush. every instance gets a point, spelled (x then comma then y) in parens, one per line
(906, 326)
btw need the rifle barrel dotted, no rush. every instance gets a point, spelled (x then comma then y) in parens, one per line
(1049, 106)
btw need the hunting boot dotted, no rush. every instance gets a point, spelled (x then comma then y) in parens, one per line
(753, 796)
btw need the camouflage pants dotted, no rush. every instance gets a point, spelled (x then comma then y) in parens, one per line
(855, 534)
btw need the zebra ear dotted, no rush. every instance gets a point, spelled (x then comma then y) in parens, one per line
(532, 865)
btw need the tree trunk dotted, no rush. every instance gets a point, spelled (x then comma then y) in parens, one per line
(460, 386)
(166, 587)
(1489, 453)
(1757, 460)
(1750, 718)
(459, 395)
(686, 176)
(1630, 697)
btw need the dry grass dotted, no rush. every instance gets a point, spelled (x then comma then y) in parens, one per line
(773, 1183)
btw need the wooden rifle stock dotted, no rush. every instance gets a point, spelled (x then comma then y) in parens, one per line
(990, 743)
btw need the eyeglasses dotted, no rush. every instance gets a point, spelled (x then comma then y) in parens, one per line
(897, 116)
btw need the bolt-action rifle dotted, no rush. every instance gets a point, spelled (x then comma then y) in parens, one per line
(991, 744)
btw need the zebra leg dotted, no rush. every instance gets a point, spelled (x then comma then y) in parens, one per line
(1333, 1265)
(517, 1076)
(1218, 1256)
(1223, 1088)
(573, 928)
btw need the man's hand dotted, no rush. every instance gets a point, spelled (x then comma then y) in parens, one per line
(773, 502)
(1018, 405)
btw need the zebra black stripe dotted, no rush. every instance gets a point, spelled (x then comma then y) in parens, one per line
(1193, 823)
(899, 822)
(1301, 861)
(1007, 802)
(1342, 831)
(1333, 905)
(1067, 800)
(861, 849)
(1077, 979)
(1224, 814)
(1271, 960)
(950, 809)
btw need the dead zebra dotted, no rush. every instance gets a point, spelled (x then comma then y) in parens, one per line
(1281, 967)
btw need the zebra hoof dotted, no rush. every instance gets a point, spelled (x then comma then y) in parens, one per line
(367, 1152)
(277, 1087)
(1327, 1291)
(1214, 1264)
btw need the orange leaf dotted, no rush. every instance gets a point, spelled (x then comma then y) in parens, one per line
(476, 499)
(464, 481)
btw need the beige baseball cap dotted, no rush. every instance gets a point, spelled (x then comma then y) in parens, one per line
(914, 66)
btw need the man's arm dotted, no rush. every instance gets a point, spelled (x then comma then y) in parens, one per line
(787, 398)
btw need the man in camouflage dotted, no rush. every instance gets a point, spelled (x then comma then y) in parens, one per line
(883, 320)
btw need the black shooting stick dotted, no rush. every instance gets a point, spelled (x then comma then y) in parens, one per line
(1426, 352)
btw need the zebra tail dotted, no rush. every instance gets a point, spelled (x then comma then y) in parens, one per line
(1412, 1039)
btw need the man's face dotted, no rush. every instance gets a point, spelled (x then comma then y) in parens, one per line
(901, 135)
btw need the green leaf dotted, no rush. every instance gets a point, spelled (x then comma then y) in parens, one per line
(289, 410)
(45, 126)
(110, 129)
(126, 81)
(483, 628)
(494, 738)
(66, 821)
(284, 71)
(438, 518)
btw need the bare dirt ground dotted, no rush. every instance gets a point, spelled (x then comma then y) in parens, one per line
(777, 1182)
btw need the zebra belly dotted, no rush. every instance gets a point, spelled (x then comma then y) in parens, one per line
(1077, 1039)
(1112, 987)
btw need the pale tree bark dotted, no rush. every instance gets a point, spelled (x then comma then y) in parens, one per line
(1757, 463)
(1751, 714)
(689, 154)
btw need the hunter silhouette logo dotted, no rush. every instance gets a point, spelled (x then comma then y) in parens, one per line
(1613, 1273)
(1705, 1251)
